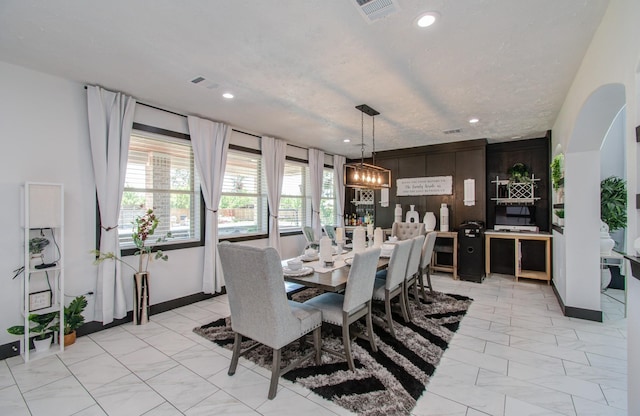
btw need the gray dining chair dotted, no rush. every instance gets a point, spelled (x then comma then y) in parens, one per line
(343, 310)
(331, 233)
(389, 283)
(309, 236)
(411, 275)
(407, 230)
(425, 262)
(260, 309)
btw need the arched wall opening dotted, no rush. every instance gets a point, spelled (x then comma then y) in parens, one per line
(579, 283)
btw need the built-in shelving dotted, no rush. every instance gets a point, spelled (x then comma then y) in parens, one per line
(508, 192)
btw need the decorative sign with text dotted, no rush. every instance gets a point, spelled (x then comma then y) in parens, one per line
(433, 185)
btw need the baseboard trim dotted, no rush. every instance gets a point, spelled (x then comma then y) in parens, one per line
(573, 312)
(12, 349)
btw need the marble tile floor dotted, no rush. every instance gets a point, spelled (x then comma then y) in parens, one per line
(514, 354)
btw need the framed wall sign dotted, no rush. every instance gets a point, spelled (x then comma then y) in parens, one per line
(432, 185)
(39, 300)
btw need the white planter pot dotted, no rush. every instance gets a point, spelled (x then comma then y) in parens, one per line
(42, 345)
(605, 278)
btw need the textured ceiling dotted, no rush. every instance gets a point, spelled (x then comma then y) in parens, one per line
(299, 68)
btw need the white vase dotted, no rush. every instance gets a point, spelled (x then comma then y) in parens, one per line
(42, 345)
(398, 213)
(605, 278)
(444, 217)
(412, 215)
(430, 221)
(636, 245)
(606, 242)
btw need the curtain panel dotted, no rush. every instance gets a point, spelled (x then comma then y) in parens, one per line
(110, 116)
(316, 167)
(273, 155)
(338, 182)
(210, 143)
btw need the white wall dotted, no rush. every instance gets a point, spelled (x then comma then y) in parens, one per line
(612, 58)
(43, 123)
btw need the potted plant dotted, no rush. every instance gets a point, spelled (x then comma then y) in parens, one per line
(613, 202)
(557, 174)
(560, 215)
(143, 227)
(519, 173)
(73, 319)
(613, 210)
(36, 247)
(42, 327)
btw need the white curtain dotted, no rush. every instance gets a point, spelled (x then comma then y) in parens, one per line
(316, 166)
(110, 117)
(338, 182)
(273, 154)
(210, 143)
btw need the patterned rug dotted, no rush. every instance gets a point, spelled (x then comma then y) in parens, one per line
(388, 382)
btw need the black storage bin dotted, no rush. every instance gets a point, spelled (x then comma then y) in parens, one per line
(471, 251)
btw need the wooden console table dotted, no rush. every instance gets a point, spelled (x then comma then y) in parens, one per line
(453, 268)
(517, 238)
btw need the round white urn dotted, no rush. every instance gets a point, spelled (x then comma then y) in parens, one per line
(430, 221)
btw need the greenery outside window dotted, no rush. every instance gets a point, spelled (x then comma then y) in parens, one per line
(295, 203)
(243, 204)
(161, 175)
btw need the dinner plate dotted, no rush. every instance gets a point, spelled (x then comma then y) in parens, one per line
(303, 271)
(304, 257)
(348, 261)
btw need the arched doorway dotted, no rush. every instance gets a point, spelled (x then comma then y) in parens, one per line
(579, 285)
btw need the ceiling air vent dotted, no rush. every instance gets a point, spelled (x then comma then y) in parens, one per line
(372, 10)
(452, 131)
(202, 82)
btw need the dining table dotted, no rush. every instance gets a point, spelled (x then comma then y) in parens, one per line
(328, 278)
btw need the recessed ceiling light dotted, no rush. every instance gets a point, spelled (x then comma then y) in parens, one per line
(347, 140)
(426, 19)
(227, 95)
(473, 120)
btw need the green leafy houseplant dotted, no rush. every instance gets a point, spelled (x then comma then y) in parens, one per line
(519, 173)
(557, 175)
(143, 227)
(73, 318)
(37, 244)
(42, 325)
(560, 213)
(613, 202)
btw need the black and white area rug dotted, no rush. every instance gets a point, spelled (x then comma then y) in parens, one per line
(387, 382)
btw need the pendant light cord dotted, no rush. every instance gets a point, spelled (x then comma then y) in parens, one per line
(362, 137)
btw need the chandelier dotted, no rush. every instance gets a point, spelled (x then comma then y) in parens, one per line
(364, 175)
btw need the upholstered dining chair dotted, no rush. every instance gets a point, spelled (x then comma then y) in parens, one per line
(411, 275)
(425, 261)
(343, 310)
(390, 282)
(331, 233)
(407, 230)
(312, 241)
(260, 309)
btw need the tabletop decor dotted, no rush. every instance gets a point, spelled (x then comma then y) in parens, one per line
(387, 382)
(144, 226)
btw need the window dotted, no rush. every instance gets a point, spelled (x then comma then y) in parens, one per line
(295, 203)
(161, 175)
(243, 204)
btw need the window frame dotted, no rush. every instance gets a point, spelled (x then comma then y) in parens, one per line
(164, 247)
(256, 236)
